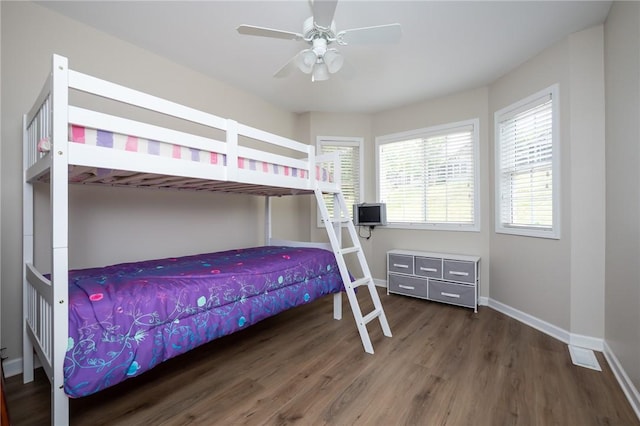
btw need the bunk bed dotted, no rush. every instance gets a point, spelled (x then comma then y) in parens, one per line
(95, 327)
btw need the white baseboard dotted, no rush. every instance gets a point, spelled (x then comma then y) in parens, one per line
(380, 283)
(13, 367)
(588, 342)
(530, 320)
(626, 384)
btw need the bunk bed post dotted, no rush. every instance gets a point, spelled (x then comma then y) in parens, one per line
(337, 178)
(267, 221)
(311, 179)
(232, 150)
(337, 228)
(27, 254)
(60, 246)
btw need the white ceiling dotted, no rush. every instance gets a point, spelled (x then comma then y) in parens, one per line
(446, 46)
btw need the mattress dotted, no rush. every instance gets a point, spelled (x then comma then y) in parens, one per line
(124, 319)
(106, 139)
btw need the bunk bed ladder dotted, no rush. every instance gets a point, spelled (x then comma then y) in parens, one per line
(334, 225)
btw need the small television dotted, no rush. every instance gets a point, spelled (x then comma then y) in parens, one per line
(370, 214)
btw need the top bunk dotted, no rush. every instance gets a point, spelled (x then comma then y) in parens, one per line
(86, 130)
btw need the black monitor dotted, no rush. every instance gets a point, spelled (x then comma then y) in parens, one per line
(370, 214)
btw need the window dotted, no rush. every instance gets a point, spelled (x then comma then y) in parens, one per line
(527, 161)
(351, 153)
(429, 177)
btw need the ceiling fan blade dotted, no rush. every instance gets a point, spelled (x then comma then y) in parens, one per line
(286, 68)
(304, 61)
(268, 32)
(323, 11)
(390, 33)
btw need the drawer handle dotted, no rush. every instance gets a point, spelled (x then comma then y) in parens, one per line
(460, 274)
(428, 269)
(400, 265)
(406, 287)
(456, 296)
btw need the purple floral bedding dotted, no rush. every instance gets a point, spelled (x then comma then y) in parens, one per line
(125, 319)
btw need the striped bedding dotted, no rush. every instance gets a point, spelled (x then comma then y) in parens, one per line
(106, 139)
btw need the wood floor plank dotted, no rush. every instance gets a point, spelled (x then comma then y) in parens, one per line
(444, 365)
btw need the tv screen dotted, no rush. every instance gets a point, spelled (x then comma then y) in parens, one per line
(370, 214)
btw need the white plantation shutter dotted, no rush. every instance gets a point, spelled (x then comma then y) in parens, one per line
(350, 159)
(430, 177)
(526, 199)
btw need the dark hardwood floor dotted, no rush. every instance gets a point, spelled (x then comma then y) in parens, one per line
(443, 366)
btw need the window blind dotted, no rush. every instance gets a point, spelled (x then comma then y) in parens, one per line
(429, 179)
(350, 171)
(526, 165)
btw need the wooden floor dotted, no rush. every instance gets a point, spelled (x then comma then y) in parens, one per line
(443, 366)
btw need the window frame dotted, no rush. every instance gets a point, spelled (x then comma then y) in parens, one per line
(432, 131)
(552, 232)
(354, 141)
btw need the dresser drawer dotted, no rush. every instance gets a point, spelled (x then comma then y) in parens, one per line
(411, 286)
(428, 267)
(400, 263)
(458, 270)
(458, 294)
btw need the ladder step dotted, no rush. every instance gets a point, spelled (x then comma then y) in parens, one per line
(359, 282)
(348, 250)
(340, 220)
(371, 316)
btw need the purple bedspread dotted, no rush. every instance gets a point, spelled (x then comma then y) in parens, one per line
(125, 319)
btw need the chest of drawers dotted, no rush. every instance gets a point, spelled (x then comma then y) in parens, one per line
(448, 278)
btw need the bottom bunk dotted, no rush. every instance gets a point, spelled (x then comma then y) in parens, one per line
(125, 319)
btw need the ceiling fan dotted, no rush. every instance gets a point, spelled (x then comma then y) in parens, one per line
(319, 31)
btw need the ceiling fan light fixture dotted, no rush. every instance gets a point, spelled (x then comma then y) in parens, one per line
(320, 72)
(319, 32)
(306, 60)
(334, 60)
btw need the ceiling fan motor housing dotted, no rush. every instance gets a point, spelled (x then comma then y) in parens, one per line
(313, 31)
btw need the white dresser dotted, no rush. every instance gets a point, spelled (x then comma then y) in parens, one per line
(448, 278)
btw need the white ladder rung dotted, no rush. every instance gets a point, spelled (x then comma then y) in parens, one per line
(348, 250)
(359, 282)
(371, 316)
(341, 220)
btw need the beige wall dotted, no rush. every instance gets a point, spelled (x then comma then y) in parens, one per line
(533, 274)
(622, 292)
(587, 181)
(561, 281)
(128, 224)
(461, 106)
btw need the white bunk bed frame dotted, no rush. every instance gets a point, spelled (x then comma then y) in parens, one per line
(45, 308)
